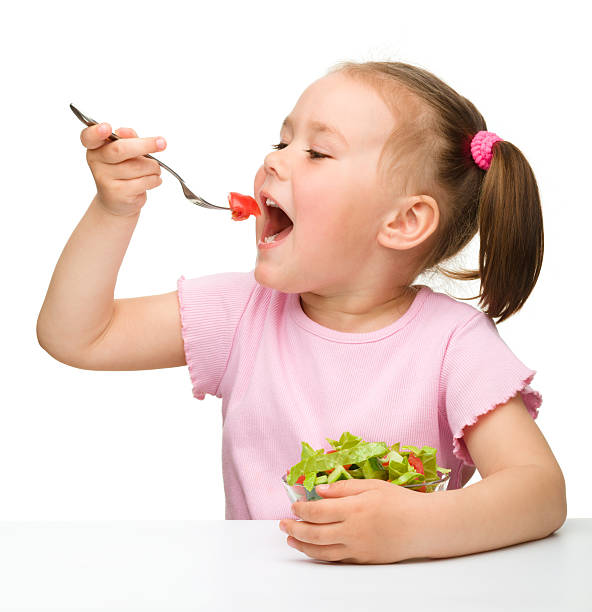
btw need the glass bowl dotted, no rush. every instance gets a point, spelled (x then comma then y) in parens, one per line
(299, 493)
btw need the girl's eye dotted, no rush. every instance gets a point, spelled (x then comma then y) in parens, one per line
(313, 154)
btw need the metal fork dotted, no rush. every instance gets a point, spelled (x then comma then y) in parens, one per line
(188, 193)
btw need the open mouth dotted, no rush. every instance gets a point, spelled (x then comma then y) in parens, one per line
(277, 224)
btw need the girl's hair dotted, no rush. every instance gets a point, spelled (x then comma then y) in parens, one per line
(428, 153)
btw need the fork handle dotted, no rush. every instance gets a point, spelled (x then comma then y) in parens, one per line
(165, 167)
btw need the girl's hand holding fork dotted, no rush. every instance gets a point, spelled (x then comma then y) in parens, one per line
(121, 173)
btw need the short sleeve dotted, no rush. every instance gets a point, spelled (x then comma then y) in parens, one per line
(211, 308)
(479, 373)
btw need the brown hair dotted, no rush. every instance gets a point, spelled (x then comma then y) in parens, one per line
(429, 153)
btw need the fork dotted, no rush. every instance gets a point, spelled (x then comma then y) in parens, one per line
(188, 193)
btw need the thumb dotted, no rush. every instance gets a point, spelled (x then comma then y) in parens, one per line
(343, 488)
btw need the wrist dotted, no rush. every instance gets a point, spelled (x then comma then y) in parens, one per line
(99, 205)
(429, 524)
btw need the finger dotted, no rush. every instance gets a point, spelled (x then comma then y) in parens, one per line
(355, 486)
(133, 168)
(126, 148)
(138, 186)
(124, 132)
(323, 510)
(313, 533)
(332, 552)
(95, 136)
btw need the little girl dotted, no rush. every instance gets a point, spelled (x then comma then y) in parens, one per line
(383, 172)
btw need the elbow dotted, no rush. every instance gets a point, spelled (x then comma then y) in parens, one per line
(42, 338)
(59, 352)
(43, 331)
(558, 501)
(60, 356)
(562, 502)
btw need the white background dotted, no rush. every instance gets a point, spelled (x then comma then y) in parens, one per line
(216, 79)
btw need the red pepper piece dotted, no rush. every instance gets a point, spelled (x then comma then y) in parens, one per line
(242, 206)
(300, 480)
(417, 464)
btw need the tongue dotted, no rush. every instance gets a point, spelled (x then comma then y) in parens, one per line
(277, 224)
(284, 232)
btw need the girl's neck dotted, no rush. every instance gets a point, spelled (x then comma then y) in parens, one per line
(351, 319)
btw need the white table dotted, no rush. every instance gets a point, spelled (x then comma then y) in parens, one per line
(247, 565)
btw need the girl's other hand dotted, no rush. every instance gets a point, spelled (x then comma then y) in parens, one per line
(354, 522)
(122, 175)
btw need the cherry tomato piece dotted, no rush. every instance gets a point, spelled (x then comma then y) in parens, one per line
(242, 206)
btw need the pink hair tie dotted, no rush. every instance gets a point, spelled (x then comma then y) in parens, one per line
(481, 148)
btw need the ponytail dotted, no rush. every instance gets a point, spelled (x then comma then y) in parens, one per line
(511, 234)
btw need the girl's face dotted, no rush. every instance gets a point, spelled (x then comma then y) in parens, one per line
(334, 201)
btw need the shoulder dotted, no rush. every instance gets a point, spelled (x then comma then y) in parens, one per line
(449, 313)
(220, 294)
(226, 292)
(220, 280)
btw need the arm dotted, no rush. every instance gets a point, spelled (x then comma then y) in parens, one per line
(79, 303)
(522, 495)
(80, 324)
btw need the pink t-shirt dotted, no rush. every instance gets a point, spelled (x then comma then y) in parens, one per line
(283, 379)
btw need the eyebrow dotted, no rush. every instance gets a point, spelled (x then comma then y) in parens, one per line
(318, 126)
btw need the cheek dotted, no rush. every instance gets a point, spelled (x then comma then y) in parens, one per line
(317, 207)
(333, 213)
(327, 215)
(340, 233)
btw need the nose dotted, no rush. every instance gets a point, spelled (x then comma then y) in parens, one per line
(274, 163)
(269, 162)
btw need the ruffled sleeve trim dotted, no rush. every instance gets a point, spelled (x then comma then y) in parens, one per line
(532, 400)
(185, 333)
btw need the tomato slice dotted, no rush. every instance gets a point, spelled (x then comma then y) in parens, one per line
(242, 206)
(416, 462)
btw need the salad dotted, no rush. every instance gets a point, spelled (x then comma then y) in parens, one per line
(352, 457)
(242, 206)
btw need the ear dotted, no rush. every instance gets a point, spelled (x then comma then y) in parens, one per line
(411, 222)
